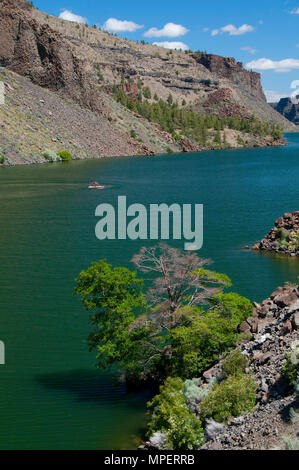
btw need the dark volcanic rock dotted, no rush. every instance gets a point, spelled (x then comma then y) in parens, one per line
(288, 109)
(284, 237)
(44, 55)
(229, 68)
(266, 352)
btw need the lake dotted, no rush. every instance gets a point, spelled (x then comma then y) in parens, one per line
(51, 394)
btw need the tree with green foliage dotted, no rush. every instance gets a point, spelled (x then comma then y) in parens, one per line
(170, 100)
(200, 338)
(147, 93)
(114, 297)
(178, 330)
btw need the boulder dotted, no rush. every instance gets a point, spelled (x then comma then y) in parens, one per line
(295, 321)
(213, 429)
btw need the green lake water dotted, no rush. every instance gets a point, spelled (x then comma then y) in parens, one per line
(51, 395)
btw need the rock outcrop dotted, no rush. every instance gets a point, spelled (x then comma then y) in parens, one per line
(284, 237)
(288, 109)
(80, 65)
(271, 333)
(187, 76)
(44, 55)
(230, 69)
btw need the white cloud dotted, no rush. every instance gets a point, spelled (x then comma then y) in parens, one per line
(274, 96)
(205, 30)
(285, 65)
(248, 49)
(170, 30)
(295, 11)
(233, 30)
(172, 45)
(69, 16)
(119, 26)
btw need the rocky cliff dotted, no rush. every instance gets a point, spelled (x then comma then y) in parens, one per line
(288, 109)
(79, 65)
(188, 77)
(228, 68)
(36, 51)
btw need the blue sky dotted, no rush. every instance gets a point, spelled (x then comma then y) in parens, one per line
(262, 34)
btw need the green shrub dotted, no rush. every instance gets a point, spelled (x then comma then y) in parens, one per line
(51, 156)
(65, 155)
(133, 133)
(290, 368)
(1, 160)
(290, 444)
(195, 394)
(168, 150)
(235, 363)
(171, 416)
(230, 398)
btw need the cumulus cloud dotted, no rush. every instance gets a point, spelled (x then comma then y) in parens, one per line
(295, 11)
(119, 26)
(172, 45)
(170, 30)
(249, 49)
(285, 65)
(69, 16)
(274, 96)
(233, 30)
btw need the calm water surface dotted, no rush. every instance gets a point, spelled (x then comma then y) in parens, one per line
(51, 396)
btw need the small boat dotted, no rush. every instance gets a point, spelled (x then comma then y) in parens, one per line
(95, 185)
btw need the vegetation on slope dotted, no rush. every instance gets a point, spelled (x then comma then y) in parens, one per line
(172, 333)
(178, 120)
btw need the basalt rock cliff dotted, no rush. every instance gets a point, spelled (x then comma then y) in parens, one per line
(42, 54)
(288, 109)
(228, 68)
(75, 68)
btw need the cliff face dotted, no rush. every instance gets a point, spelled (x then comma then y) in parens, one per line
(228, 68)
(288, 109)
(44, 55)
(73, 64)
(190, 78)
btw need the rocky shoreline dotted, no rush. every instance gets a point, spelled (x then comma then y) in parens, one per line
(274, 328)
(283, 237)
(269, 335)
(186, 148)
